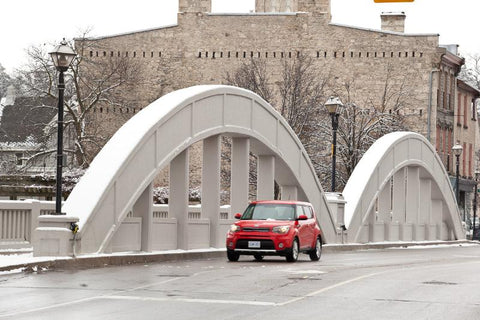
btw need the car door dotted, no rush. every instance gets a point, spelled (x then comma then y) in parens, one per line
(302, 227)
(310, 226)
(305, 231)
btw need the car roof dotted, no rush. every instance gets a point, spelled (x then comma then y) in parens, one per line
(280, 202)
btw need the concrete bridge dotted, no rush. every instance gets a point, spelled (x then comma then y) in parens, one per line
(399, 191)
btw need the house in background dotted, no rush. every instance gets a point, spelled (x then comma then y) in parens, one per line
(26, 169)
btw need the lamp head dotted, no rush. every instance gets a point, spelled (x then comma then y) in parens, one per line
(334, 105)
(62, 56)
(457, 149)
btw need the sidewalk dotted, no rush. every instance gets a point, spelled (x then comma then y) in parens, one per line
(22, 260)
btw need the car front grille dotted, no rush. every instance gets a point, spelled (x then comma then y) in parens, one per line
(253, 229)
(264, 244)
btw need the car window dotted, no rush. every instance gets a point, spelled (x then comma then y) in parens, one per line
(299, 211)
(264, 211)
(308, 211)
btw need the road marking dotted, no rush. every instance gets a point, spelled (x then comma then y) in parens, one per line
(314, 293)
(57, 305)
(210, 301)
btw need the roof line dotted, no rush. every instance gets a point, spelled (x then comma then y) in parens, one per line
(128, 33)
(385, 31)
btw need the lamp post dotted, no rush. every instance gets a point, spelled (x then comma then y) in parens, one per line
(334, 105)
(62, 56)
(457, 151)
(477, 175)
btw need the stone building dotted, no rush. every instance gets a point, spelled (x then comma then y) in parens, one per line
(466, 134)
(204, 46)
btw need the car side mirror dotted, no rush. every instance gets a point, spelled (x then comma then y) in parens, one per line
(302, 217)
(238, 215)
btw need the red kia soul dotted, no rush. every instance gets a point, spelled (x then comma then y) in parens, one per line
(283, 228)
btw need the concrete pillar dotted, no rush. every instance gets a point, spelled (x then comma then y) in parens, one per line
(239, 175)
(384, 204)
(398, 207)
(371, 225)
(143, 208)
(413, 194)
(289, 192)
(211, 186)
(425, 206)
(437, 217)
(178, 200)
(265, 177)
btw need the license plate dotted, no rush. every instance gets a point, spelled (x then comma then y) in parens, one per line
(254, 244)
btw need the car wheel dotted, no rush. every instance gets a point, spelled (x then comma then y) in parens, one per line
(292, 256)
(233, 256)
(258, 257)
(316, 253)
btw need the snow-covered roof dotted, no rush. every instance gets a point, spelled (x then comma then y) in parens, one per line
(19, 146)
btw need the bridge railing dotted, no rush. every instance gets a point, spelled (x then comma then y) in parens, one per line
(19, 219)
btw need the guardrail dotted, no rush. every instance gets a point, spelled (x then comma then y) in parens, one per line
(19, 219)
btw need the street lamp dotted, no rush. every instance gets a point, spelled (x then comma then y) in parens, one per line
(334, 106)
(477, 176)
(457, 151)
(62, 56)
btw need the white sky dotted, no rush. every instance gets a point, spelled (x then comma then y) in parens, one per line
(33, 22)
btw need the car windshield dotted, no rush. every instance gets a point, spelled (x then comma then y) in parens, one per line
(270, 211)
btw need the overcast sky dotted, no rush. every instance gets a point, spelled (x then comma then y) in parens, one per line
(33, 22)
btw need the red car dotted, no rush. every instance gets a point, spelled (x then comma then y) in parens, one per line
(283, 228)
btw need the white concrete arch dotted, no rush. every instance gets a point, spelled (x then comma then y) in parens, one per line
(123, 171)
(400, 191)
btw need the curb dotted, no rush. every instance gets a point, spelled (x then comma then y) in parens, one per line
(89, 262)
(386, 245)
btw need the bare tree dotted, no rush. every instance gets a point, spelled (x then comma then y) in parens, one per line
(470, 72)
(300, 94)
(89, 85)
(5, 81)
(252, 75)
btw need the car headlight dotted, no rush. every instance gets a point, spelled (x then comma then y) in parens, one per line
(281, 229)
(235, 228)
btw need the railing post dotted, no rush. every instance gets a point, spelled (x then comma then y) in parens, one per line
(34, 214)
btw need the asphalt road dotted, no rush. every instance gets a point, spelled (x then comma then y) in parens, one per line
(414, 283)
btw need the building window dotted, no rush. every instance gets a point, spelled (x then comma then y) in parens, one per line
(464, 158)
(450, 145)
(470, 159)
(474, 112)
(459, 108)
(19, 158)
(465, 112)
